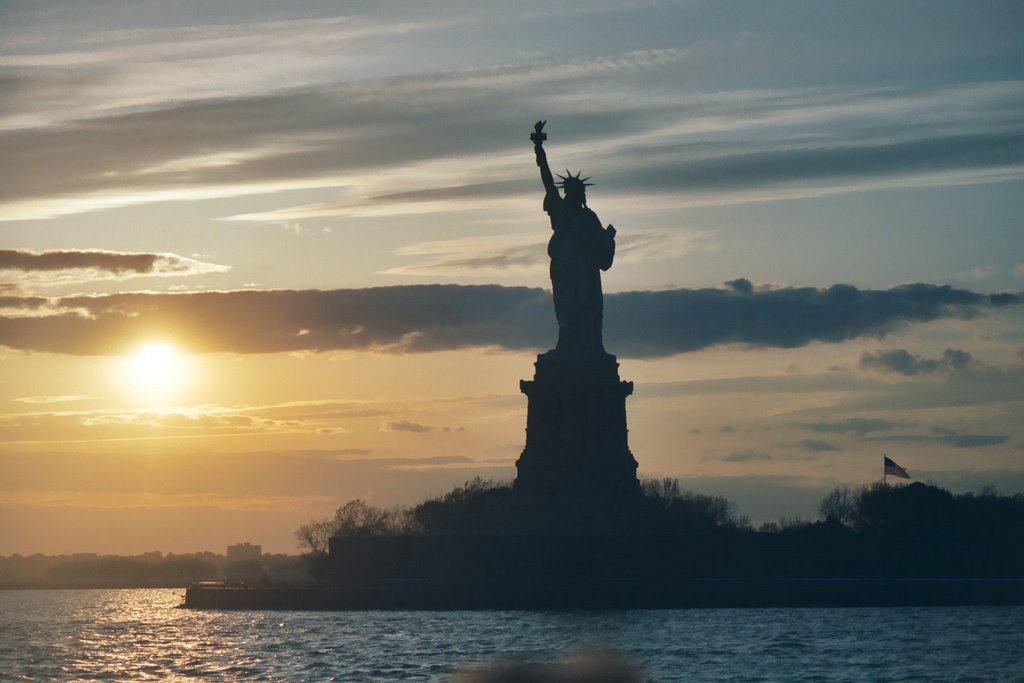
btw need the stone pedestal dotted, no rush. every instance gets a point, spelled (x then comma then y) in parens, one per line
(576, 436)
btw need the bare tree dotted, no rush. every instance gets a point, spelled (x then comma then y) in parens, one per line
(840, 505)
(666, 488)
(359, 518)
(316, 535)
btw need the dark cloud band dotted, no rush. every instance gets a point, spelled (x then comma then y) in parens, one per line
(660, 323)
(57, 263)
(428, 318)
(114, 262)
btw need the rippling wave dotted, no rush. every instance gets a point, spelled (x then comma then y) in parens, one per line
(143, 635)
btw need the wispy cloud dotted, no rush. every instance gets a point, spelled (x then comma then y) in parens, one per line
(367, 135)
(60, 267)
(89, 74)
(68, 398)
(974, 385)
(776, 384)
(761, 456)
(500, 254)
(324, 417)
(406, 426)
(207, 419)
(981, 272)
(310, 473)
(909, 364)
(853, 425)
(488, 255)
(817, 445)
(950, 438)
(746, 456)
(136, 501)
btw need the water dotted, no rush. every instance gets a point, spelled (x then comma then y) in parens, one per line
(141, 635)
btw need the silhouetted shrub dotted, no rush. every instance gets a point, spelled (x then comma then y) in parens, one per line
(681, 510)
(359, 518)
(923, 530)
(354, 518)
(474, 506)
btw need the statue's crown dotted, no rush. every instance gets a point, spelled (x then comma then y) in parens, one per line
(570, 181)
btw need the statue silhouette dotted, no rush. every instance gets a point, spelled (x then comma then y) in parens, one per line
(579, 249)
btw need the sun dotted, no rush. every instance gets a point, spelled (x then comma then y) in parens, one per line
(155, 370)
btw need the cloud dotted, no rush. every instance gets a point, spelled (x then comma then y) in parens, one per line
(655, 245)
(83, 497)
(947, 437)
(424, 318)
(854, 425)
(393, 319)
(369, 135)
(499, 254)
(207, 420)
(320, 417)
(472, 256)
(816, 446)
(905, 363)
(782, 384)
(54, 267)
(984, 272)
(55, 399)
(92, 69)
(405, 426)
(953, 437)
(108, 261)
(1005, 480)
(658, 323)
(840, 166)
(746, 456)
(972, 386)
(741, 284)
(287, 473)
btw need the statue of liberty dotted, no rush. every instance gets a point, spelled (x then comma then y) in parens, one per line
(579, 249)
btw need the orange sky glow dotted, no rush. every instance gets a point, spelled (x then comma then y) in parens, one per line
(260, 262)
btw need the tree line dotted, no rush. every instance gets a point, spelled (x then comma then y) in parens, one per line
(484, 505)
(873, 530)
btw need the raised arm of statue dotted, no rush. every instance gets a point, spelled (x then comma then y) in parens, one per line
(539, 136)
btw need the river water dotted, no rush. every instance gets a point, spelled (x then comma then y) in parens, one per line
(142, 634)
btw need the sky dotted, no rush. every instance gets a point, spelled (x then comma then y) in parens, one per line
(258, 259)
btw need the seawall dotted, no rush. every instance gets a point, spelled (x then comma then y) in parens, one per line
(612, 571)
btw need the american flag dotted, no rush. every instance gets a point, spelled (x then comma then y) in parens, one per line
(894, 469)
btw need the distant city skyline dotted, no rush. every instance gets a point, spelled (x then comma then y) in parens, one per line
(256, 261)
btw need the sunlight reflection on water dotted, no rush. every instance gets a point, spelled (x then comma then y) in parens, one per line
(142, 635)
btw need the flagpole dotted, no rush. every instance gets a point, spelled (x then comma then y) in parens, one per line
(885, 482)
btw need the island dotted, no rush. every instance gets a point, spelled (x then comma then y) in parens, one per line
(578, 528)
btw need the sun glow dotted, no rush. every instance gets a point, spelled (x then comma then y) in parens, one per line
(155, 370)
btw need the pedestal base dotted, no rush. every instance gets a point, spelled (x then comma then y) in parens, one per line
(576, 436)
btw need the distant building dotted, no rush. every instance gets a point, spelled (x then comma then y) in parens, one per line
(241, 552)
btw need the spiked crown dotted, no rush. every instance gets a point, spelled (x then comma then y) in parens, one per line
(570, 182)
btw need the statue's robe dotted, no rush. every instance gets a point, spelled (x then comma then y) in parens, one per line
(579, 249)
